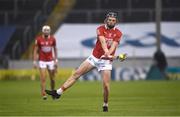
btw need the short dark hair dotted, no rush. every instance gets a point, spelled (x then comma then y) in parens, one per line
(112, 14)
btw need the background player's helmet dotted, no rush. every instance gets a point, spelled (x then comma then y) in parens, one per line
(46, 30)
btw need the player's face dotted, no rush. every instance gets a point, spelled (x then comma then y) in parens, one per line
(111, 22)
(46, 31)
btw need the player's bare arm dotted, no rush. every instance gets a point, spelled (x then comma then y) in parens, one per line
(104, 45)
(35, 55)
(55, 54)
(55, 58)
(113, 47)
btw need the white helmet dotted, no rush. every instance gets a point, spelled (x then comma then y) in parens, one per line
(46, 29)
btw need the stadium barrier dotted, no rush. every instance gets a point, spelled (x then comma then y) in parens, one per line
(31, 74)
(118, 74)
(173, 73)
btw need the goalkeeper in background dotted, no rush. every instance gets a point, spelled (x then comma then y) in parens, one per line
(108, 38)
(45, 53)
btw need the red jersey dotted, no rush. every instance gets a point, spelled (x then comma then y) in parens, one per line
(110, 35)
(45, 47)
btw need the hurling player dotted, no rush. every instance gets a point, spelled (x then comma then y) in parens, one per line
(45, 58)
(108, 38)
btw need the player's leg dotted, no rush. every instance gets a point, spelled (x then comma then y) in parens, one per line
(51, 71)
(83, 68)
(43, 81)
(105, 66)
(42, 69)
(106, 75)
(52, 78)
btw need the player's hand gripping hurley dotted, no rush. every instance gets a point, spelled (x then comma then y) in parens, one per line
(120, 57)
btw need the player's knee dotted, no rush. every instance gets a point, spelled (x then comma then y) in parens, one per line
(43, 80)
(106, 85)
(52, 80)
(52, 75)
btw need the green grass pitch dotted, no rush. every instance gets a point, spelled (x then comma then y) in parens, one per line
(139, 98)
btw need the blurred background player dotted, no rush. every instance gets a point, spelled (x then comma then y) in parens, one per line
(45, 53)
(108, 37)
(160, 62)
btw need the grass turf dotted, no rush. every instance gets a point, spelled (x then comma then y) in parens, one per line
(140, 98)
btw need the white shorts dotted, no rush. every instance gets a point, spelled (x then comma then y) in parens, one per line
(46, 64)
(100, 64)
